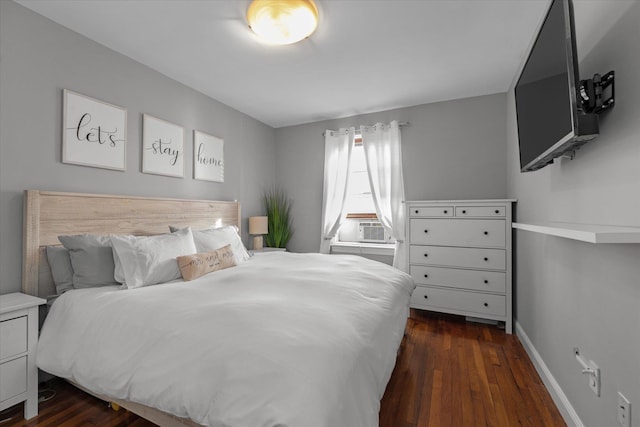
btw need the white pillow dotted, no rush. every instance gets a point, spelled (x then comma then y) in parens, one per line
(210, 239)
(143, 261)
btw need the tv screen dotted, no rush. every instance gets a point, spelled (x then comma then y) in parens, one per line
(546, 105)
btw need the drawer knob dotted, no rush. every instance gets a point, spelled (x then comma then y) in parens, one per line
(464, 211)
(486, 304)
(446, 211)
(426, 231)
(497, 211)
(417, 211)
(426, 255)
(426, 297)
(486, 233)
(426, 275)
(486, 281)
(486, 259)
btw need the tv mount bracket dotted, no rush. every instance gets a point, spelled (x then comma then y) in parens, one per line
(592, 91)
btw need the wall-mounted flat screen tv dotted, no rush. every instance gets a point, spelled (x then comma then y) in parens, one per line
(550, 119)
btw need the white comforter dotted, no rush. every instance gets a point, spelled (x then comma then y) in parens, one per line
(288, 340)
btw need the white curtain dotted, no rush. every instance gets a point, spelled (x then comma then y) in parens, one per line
(383, 153)
(337, 165)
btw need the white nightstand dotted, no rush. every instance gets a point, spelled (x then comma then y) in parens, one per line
(18, 339)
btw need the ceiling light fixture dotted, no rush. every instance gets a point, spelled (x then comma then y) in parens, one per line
(282, 21)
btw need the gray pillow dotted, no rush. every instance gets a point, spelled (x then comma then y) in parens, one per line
(61, 269)
(91, 259)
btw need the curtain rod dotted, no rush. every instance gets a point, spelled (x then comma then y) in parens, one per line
(399, 124)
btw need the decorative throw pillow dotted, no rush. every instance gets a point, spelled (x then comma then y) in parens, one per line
(61, 270)
(196, 265)
(148, 260)
(91, 258)
(210, 239)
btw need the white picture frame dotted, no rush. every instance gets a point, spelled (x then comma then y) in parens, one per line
(94, 132)
(208, 157)
(162, 147)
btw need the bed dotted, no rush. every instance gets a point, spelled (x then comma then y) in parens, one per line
(282, 339)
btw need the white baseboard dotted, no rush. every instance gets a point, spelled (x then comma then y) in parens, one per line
(566, 410)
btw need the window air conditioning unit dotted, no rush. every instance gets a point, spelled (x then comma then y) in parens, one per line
(372, 232)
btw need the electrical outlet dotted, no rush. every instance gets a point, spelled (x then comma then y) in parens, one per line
(624, 411)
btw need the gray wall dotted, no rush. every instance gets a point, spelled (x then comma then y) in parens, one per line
(451, 150)
(39, 58)
(571, 293)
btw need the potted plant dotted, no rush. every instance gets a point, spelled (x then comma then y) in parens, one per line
(278, 207)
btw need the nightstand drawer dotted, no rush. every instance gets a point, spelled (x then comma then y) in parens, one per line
(477, 280)
(450, 299)
(458, 232)
(481, 211)
(431, 211)
(489, 259)
(13, 378)
(18, 341)
(13, 336)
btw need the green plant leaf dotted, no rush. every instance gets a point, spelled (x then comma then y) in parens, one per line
(278, 207)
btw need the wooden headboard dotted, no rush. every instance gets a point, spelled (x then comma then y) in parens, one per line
(48, 215)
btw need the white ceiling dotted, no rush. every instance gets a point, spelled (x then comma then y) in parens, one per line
(366, 56)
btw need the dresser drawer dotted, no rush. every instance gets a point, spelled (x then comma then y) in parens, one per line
(458, 232)
(13, 377)
(451, 299)
(431, 211)
(490, 259)
(481, 211)
(478, 280)
(13, 337)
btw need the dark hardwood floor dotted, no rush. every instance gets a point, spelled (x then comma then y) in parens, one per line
(71, 407)
(456, 373)
(449, 373)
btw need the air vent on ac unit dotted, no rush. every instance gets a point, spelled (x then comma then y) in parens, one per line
(372, 232)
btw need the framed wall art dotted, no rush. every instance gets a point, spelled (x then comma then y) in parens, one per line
(208, 157)
(162, 147)
(94, 133)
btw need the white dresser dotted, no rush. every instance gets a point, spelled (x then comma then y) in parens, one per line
(18, 339)
(459, 255)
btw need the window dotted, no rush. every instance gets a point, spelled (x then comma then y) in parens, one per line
(361, 224)
(359, 203)
(348, 218)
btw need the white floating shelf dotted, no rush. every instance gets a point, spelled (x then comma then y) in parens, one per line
(583, 232)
